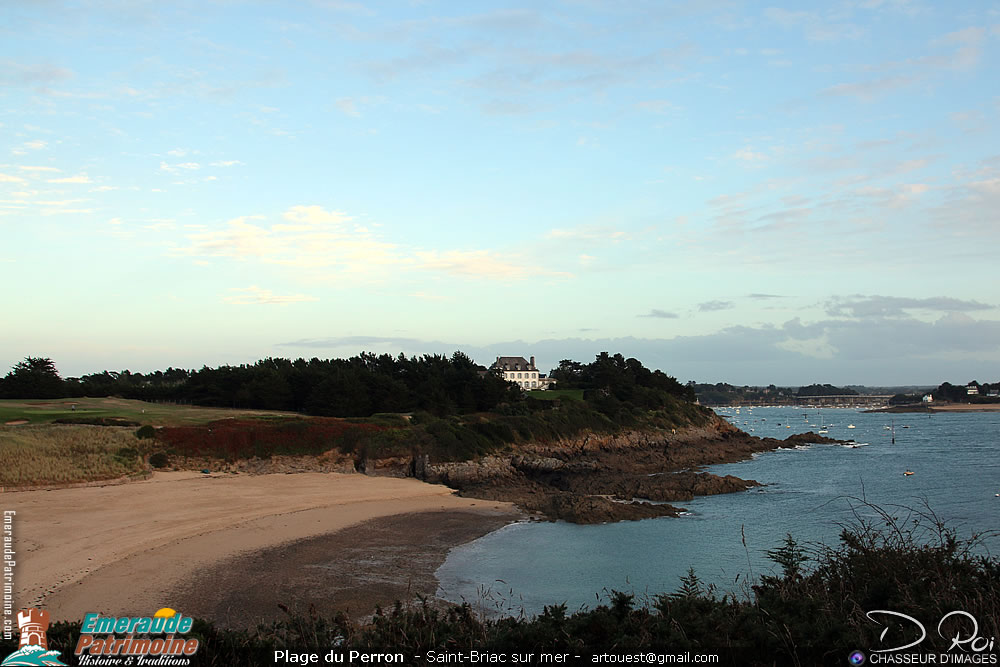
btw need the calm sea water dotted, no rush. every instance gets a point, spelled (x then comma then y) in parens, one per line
(955, 460)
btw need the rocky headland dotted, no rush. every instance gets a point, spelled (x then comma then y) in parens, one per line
(599, 478)
(587, 478)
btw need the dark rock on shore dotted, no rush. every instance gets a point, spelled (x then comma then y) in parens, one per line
(598, 478)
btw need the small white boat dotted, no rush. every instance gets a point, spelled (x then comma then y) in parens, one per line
(851, 426)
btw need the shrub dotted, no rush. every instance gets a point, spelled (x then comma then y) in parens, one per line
(146, 432)
(159, 460)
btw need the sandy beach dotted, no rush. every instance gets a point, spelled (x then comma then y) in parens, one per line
(235, 545)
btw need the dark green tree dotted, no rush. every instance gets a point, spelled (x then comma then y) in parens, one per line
(35, 377)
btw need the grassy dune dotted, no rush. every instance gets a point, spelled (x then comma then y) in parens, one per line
(157, 414)
(56, 454)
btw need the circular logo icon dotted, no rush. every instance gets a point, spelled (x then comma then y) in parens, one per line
(856, 658)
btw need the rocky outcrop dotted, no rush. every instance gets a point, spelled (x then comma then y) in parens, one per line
(602, 477)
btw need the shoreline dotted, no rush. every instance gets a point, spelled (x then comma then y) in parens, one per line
(941, 409)
(130, 549)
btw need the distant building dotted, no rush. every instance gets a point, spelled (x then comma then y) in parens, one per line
(928, 398)
(545, 382)
(523, 372)
(972, 390)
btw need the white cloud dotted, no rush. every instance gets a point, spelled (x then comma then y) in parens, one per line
(429, 297)
(227, 163)
(816, 27)
(914, 189)
(480, 264)
(971, 35)
(7, 178)
(589, 233)
(178, 152)
(80, 178)
(869, 90)
(189, 165)
(254, 295)
(346, 106)
(312, 238)
(34, 74)
(330, 245)
(748, 154)
(65, 211)
(817, 348)
(33, 168)
(35, 145)
(875, 306)
(656, 106)
(660, 314)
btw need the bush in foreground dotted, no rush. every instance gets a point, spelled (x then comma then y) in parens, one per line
(814, 613)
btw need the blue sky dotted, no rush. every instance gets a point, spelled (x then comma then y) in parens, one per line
(729, 191)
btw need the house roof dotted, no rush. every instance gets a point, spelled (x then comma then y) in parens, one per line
(513, 364)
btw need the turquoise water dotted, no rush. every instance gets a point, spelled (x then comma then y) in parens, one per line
(955, 460)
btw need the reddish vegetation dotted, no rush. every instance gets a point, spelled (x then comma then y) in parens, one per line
(244, 438)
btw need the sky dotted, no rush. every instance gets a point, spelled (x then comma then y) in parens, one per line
(733, 192)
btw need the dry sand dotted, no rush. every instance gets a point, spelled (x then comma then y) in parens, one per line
(131, 549)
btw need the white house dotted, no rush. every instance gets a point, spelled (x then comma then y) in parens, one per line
(522, 372)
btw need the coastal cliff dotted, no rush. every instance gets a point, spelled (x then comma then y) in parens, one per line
(596, 478)
(566, 471)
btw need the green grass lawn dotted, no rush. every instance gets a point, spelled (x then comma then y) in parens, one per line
(43, 411)
(553, 394)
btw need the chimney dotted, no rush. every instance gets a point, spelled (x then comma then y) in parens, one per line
(532, 362)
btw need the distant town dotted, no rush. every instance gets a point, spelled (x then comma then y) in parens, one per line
(826, 395)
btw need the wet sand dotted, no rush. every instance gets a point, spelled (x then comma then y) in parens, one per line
(129, 549)
(354, 570)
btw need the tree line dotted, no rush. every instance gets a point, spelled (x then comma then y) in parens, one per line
(625, 380)
(947, 391)
(356, 387)
(726, 394)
